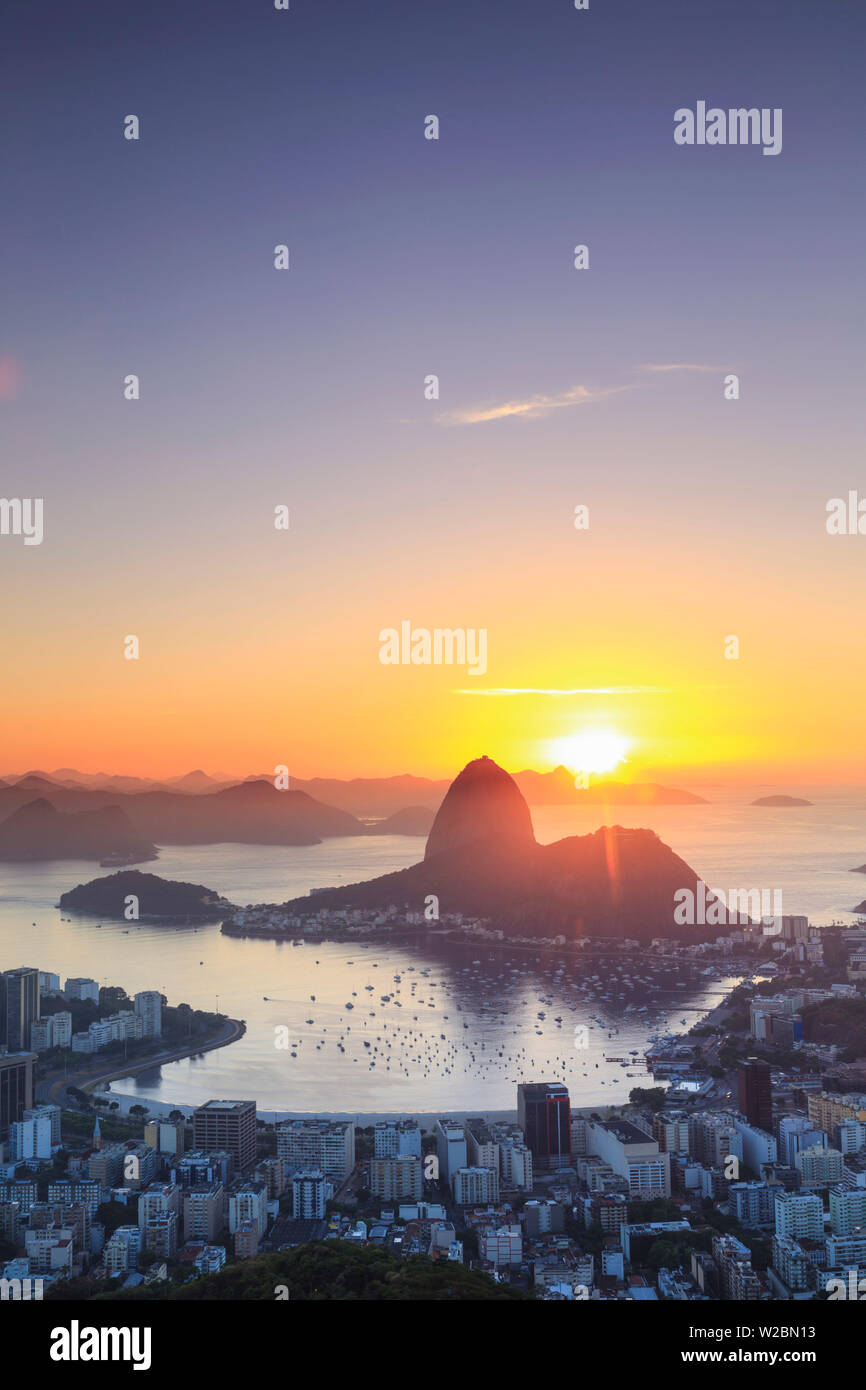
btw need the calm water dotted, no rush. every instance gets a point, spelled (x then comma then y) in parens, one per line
(458, 1037)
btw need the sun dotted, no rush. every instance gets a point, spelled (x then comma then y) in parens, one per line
(594, 750)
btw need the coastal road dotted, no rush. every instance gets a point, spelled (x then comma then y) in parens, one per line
(52, 1090)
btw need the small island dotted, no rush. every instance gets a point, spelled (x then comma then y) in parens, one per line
(782, 801)
(159, 899)
(861, 869)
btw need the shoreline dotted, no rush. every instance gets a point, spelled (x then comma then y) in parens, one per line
(54, 1091)
(363, 1119)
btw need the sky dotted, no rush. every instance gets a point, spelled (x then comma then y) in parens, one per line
(305, 388)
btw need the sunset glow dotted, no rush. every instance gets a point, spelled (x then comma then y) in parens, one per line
(594, 750)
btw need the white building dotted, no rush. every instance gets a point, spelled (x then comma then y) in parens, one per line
(122, 1250)
(249, 1203)
(148, 1006)
(847, 1211)
(501, 1245)
(849, 1136)
(799, 1214)
(450, 1148)
(475, 1186)
(30, 1139)
(819, 1167)
(796, 1132)
(759, 1147)
(49, 1112)
(397, 1139)
(314, 1143)
(310, 1193)
(632, 1154)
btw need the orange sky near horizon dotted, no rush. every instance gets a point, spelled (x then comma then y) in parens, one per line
(221, 685)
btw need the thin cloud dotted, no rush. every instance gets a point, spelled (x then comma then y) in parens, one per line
(580, 690)
(676, 367)
(531, 408)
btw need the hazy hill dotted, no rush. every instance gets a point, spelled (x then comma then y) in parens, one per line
(38, 830)
(781, 800)
(412, 820)
(248, 813)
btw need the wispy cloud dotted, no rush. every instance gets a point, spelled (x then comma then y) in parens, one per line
(579, 690)
(676, 367)
(530, 408)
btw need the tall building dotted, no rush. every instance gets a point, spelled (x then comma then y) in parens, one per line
(52, 1114)
(796, 1132)
(397, 1179)
(314, 1143)
(482, 1148)
(450, 1147)
(759, 1146)
(30, 1139)
(16, 1088)
(515, 1159)
(737, 1280)
(634, 1155)
(755, 1093)
(672, 1133)
(847, 1211)
(158, 1199)
(19, 1006)
(799, 1214)
(148, 1007)
(819, 1167)
(475, 1186)
(544, 1115)
(166, 1136)
(203, 1211)
(753, 1203)
(713, 1138)
(310, 1190)
(229, 1125)
(397, 1139)
(249, 1203)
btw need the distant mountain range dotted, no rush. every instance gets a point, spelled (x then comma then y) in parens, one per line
(362, 797)
(79, 820)
(482, 859)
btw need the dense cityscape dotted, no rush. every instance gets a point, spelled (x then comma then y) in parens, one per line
(741, 1175)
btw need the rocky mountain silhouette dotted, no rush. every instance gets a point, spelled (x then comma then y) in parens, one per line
(482, 860)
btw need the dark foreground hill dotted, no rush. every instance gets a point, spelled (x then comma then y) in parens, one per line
(320, 1272)
(482, 860)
